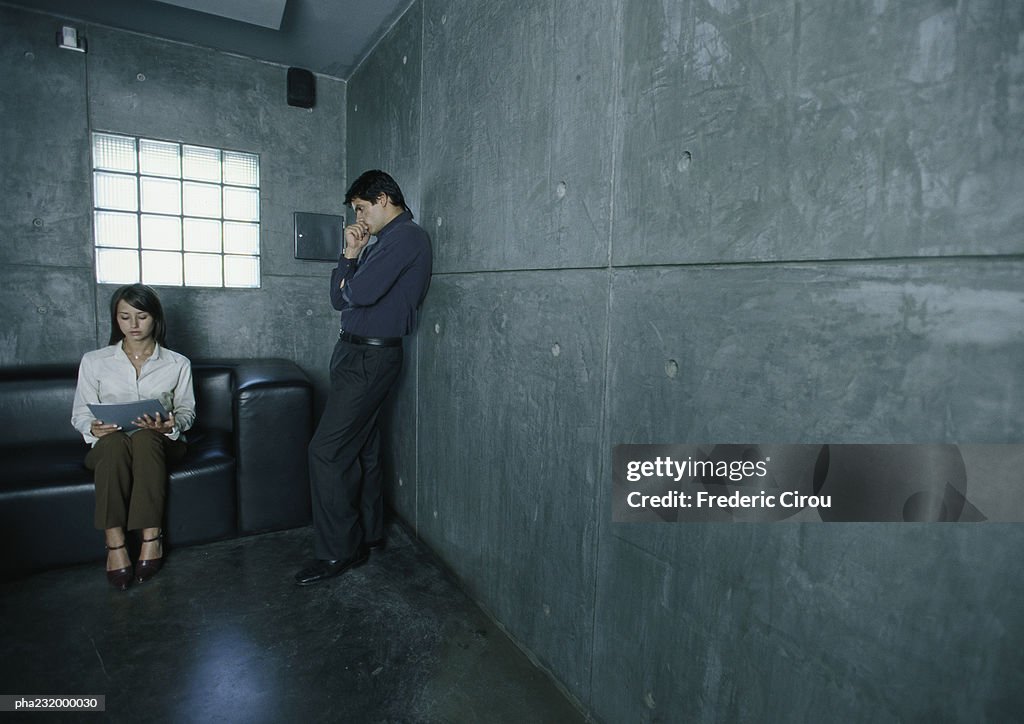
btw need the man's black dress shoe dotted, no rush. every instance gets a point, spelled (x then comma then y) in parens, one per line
(322, 570)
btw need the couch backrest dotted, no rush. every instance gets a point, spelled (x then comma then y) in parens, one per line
(36, 400)
(214, 387)
(35, 404)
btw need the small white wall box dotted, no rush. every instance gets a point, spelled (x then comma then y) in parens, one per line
(68, 38)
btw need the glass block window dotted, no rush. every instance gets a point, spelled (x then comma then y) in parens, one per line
(171, 214)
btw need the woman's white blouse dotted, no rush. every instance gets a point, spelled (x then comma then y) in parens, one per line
(107, 375)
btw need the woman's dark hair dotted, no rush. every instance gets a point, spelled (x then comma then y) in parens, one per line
(371, 184)
(145, 300)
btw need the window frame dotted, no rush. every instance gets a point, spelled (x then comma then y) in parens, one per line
(250, 225)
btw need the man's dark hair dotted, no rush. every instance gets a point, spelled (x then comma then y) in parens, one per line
(145, 300)
(372, 184)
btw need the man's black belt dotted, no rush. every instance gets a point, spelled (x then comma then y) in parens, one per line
(372, 341)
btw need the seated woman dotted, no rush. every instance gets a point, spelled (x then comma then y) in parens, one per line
(130, 465)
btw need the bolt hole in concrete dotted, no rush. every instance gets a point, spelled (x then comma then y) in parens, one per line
(140, 77)
(437, 329)
(671, 369)
(684, 161)
(560, 190)
(556, 349)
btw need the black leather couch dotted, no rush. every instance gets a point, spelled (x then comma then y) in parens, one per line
(245, 472)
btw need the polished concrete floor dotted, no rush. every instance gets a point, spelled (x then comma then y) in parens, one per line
(223, 635)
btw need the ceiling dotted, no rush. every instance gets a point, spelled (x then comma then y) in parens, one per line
(329, 37)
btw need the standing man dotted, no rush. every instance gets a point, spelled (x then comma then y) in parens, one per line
(377, 286)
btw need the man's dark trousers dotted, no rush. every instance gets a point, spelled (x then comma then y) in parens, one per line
(341, 486)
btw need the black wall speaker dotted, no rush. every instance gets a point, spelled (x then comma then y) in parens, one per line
(301, 88)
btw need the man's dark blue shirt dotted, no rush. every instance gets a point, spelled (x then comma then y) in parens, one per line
(386, 285)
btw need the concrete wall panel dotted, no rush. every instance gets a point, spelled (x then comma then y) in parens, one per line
(865, 353)
(770, 131)
(808, 622)
(401, 437)
(47, 318)
(383, 107)
(517, 133)
(511, 370)
(756, 622)
(207, 323)
(45, 188)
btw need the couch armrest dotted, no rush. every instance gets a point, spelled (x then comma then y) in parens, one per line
(273, 424)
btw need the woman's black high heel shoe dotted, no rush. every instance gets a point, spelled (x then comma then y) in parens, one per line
(144, 570)
(119, 578)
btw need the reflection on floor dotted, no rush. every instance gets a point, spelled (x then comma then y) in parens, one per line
(222, 634)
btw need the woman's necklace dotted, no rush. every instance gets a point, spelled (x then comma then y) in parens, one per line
(138, 356)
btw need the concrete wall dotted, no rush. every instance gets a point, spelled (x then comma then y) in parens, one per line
(383, 131)
(712, 221)
(128, 83)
